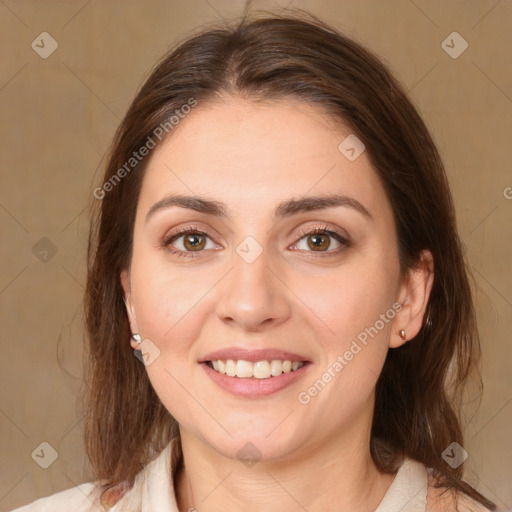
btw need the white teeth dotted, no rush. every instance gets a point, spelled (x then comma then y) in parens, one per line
(243, 368)
(259, 370)
(230, 368)
(276, 367)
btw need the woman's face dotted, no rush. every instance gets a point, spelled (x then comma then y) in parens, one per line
(258, 277)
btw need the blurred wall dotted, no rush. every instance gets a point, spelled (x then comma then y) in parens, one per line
(59, 111)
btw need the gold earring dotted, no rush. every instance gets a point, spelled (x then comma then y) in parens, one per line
(402, 334)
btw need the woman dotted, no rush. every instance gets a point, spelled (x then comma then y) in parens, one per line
(276, 244)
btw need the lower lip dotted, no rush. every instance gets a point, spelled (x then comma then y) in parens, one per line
(254, 388)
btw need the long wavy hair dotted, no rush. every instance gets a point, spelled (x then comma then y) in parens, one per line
(418, 393)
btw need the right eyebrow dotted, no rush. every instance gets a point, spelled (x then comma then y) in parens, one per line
(196, 203)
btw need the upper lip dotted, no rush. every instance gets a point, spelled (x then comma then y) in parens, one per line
(252, 355)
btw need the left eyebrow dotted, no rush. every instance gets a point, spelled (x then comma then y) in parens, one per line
(284, 209)
(309, 204)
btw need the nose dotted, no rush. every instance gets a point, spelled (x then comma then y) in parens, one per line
(252, 297)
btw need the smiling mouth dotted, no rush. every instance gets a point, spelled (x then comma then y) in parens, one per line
(264, 369)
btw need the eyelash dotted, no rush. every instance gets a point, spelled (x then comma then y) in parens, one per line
(178, 234)
(302, 234)
(324, 230)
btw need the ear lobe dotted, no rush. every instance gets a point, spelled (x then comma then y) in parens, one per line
(413, 296)
(128, 300)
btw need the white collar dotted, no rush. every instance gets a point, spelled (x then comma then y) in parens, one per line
(408, 491)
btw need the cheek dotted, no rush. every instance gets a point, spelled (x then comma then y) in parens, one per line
(171, 308)
(353, 320)
(167, 298)
(350, 299)
(343, 384)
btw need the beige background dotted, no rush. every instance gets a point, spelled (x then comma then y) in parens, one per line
(58, 117)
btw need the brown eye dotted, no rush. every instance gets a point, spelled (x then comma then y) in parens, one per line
(318, 242)
(188, 241)
(321, 241)
(194, 242)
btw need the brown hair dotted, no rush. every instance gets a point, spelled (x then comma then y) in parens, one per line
(277, 57)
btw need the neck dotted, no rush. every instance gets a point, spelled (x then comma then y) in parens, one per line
(336, 476)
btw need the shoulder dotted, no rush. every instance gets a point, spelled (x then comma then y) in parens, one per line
(82, 498)
(88, 497)
(151, 487)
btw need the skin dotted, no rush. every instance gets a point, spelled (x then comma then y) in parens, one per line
(252, 156)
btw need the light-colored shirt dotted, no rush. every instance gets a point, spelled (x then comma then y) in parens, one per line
(153, 491)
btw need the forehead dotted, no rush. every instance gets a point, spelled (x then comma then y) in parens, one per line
(251, 155)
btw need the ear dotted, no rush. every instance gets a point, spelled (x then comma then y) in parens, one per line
(413, 296)
(130, 307)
